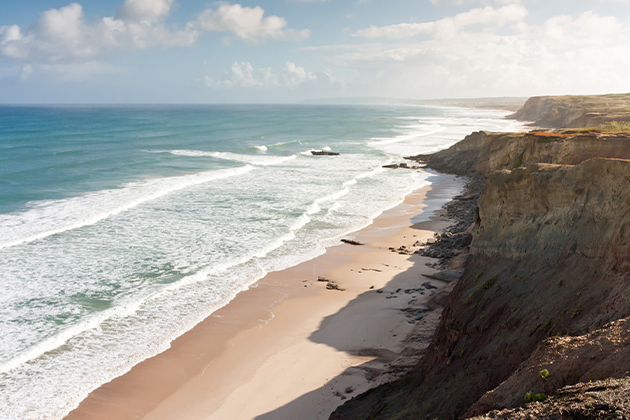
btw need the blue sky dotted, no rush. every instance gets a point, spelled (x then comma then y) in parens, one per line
(188, 51)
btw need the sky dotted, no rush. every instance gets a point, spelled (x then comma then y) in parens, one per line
(287, 51)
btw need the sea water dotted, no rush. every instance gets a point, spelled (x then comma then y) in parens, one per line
(121, 227)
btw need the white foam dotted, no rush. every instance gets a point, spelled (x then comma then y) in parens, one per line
(405, 137)
(334, 208)
(313, 208)
(333, 196)
(256, 160)
(262, 148)
(130, 308)
(368, 174)
(60, 338)
(284, 143)
(46, 218)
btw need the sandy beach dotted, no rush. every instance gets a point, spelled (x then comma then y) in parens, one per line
(289, 347)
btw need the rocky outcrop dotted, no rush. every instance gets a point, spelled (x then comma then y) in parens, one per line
(396, 166)
(323, 153)
(575, 111)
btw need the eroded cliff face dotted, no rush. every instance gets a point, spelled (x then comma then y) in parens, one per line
(551, 256)
(553, 211)
(574, 111)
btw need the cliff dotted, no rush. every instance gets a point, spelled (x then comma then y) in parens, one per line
(550, 258)
(482, 153)
(575, 111)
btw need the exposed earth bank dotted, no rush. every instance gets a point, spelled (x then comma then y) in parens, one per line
(543, 302)
(575, 111)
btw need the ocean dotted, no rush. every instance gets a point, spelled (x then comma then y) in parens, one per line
(122, 227)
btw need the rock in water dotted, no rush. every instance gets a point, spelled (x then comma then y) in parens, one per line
(322, 153)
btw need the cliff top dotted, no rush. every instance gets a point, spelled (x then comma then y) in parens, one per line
(576, 111)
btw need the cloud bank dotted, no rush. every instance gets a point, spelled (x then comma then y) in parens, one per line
(490, 51)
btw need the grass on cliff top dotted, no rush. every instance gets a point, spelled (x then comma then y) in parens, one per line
(615, 126)
(608, 127)
(594, 102)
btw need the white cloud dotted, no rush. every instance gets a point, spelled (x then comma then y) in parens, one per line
(243, 75)
(296, 75)
(448, 27)
(65, 36)
(589, 29)
(246, 22)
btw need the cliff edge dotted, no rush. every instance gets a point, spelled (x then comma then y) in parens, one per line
(575, 111)
(542, 303)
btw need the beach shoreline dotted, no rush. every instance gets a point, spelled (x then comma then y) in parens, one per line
(289, 345)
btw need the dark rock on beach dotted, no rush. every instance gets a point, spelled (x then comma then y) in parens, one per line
(455, 240)
(332, 285)
(351, 242)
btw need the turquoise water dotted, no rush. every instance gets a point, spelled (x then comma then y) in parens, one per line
(123, 227)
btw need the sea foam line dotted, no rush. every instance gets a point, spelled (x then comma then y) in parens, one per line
(257, 160)
(401, 138)
(50, 217)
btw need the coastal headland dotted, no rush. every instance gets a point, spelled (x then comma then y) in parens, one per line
(540, 312)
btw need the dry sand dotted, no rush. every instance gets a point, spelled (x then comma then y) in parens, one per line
(288, 348)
